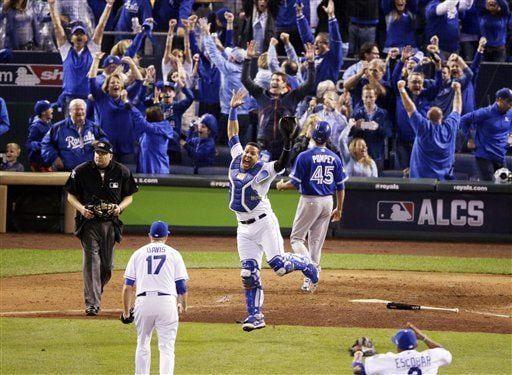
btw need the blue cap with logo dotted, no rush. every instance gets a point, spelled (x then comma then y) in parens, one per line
(41, 106)
(159, 229)
(504, 93)
(405, 339)
(79, 27)
(111, 59)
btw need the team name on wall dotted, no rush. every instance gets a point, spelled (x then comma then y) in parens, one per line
(31, 75)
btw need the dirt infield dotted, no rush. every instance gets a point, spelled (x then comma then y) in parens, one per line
(217, 296)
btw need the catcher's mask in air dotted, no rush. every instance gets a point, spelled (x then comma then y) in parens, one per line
(321, 132)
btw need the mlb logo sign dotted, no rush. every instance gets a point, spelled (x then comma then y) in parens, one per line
(398, 211)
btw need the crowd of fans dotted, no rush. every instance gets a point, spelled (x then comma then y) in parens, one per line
(411, 64)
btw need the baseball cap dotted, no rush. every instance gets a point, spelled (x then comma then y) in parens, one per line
(159, 229)
(41, 106)
(104, 147)
(111, 59)
(504, 93)
(221, 17)
(210, 122)
(405, 339)
(78, 28)
(237, 53)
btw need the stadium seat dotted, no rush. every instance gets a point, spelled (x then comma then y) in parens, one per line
(465, 164)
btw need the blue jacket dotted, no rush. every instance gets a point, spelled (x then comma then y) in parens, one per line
(165, 10)
(447, 29)
(201, 151)
(444, 98)
(209, 77)
(423, 101)
(115, 119)
(492, 130)
(174, 114)
(153, 142)
(5, 124)
(494, 28)
(132, 8)
(63, 140)
(231, 74)
(36, 132)
(329, 64)
(374, 138)
(400, 32)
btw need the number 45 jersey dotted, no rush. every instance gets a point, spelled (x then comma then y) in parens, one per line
(156, 267)
(318, 171)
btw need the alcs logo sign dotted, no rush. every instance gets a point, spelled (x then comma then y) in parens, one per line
(433, 212)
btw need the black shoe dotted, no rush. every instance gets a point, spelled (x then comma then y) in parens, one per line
(92, 310)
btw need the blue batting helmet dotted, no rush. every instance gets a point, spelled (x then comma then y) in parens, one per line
(321, 132)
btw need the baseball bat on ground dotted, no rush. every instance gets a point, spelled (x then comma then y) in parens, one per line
(406, 306)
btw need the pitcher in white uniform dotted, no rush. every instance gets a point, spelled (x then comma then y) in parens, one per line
(408, 360)
(160, 278)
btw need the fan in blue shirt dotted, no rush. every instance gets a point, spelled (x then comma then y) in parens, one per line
(493, 133)
(433, 152)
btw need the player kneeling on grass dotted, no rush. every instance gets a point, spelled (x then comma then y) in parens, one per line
(408, 360)
(160, 276)
(258, 228)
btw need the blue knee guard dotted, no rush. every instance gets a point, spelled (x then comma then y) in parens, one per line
(251, 281)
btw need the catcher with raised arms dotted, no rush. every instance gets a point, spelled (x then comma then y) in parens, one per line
(100, 190)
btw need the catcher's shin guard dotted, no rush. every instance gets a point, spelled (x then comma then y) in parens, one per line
(251, 281)
(286, 263)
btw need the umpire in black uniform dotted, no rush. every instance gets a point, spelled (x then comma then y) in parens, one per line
(100, 190)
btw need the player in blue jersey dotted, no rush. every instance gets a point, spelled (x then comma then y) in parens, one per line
(318, 173)
(433, 151)
(258, 228)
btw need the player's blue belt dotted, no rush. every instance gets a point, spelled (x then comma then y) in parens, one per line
(250, 221)
(144, 294)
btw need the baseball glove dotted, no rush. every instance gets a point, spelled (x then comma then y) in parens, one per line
(129, 319)
(364, 344)
(102, 209)
(289, 127)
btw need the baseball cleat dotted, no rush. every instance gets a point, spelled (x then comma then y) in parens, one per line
(253, 322)
(306, 285)
(92, 310)
(311, 272)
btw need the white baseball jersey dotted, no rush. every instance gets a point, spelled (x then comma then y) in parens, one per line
(408, 362)
(260, 184)
(156, 267)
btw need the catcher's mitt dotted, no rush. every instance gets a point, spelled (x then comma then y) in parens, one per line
(129, 319)
(363, 344)
(102, 209)
(289, 127)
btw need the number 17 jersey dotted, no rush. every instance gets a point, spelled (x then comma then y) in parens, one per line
(318, 171)
(156, 267)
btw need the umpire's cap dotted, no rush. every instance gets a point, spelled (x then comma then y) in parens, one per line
(405, 339)
(321, 132)
(159, 229)
(103, 146)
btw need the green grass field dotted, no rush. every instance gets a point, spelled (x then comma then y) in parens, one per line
(76, 346)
